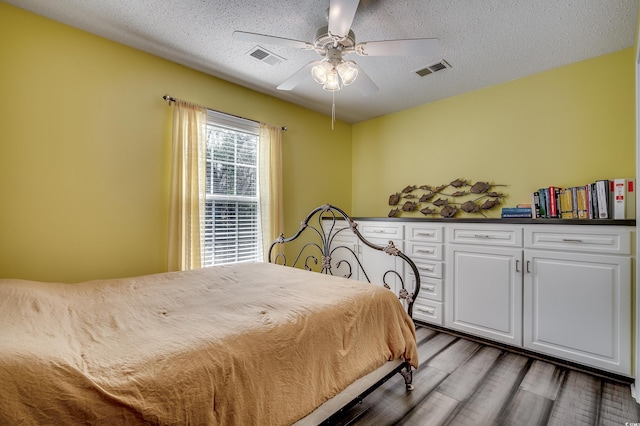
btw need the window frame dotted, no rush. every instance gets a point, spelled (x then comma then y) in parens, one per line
(213, 254)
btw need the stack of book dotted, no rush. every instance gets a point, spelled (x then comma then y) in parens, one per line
(602, 199)
(519, 211)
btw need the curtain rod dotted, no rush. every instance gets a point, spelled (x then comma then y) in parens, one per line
(170, 99)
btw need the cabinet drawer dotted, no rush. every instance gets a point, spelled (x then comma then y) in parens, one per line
(381, 230)
(429, 269)
(428, 311)
(505, 236)
(430, 288)
(420, 250)
(600, 239)
(421, 232)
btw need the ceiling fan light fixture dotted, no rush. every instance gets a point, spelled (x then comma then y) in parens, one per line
(348, 72)
(321, 71)
(333, 81)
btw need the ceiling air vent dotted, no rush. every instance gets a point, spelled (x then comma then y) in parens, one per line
(438, 66)
(264, 55)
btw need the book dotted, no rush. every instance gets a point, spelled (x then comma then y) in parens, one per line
(619, 207)
(554, 191)
(582, 210)
(516, 212)
(565, 204)
(587, 191)
(602, 192)
(594, 201)
(516, 215)
(631, 198)
(623, 198)
(535, 205)
(543, 202)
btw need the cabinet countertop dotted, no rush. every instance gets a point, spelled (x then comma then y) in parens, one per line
(515, 221)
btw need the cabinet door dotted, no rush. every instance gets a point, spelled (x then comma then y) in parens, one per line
(344, 261)
(376, 264)
(578, 307)
(483, 292)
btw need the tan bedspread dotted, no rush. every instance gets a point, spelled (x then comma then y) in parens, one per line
(228, 345)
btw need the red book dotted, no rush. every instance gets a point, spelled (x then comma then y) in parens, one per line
(553, 201)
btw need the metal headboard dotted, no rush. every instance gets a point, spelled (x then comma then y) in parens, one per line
(325, 245)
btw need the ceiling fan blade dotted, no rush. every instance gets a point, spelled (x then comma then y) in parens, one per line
(267, 39)
(341, 14)
(365, 85)
(411, 47)
(298, 77)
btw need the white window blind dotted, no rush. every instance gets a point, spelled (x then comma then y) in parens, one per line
(232, 225)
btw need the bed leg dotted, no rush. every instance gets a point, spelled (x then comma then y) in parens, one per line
(407, 373)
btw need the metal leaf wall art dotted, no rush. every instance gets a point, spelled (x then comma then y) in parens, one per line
(446, 200)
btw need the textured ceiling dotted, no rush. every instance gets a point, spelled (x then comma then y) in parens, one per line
(486, 42)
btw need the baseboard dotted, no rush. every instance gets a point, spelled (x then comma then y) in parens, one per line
(531, 354)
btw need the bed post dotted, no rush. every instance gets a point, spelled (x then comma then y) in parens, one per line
(407, 373)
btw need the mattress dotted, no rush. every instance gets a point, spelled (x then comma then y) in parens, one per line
(250, 343)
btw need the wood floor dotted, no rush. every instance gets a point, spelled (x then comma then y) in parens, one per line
(462, 382)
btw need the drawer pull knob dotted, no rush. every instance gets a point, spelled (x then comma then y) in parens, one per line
(425, 234)
(430, 289)
(427, 268)
(426, 311)
(571, 240)
(485, 236)
(424, 251)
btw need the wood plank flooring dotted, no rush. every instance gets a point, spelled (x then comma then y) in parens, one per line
(463, 382)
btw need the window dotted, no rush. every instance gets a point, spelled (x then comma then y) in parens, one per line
(232, 221)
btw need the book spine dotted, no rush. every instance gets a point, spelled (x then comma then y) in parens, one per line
(581, 197)
(535, 205)
(553, 204)
(594, 198)
(602, 189)
(543, 203)
(631, 198)
(589, 201)
(565, 204)
(619, 199)
(574, 202)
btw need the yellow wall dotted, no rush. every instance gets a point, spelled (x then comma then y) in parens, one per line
(564, 127)
(84, 151)
(85, 141)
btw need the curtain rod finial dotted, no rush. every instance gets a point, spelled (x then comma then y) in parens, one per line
(169, 99)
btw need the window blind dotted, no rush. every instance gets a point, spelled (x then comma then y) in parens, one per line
(232, 225)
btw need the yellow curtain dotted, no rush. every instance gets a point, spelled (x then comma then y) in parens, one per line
(187, 192)
(270, 185)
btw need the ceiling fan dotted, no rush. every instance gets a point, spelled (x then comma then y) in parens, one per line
(337, 40)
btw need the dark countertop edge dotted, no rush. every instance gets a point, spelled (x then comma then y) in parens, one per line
(517, 221)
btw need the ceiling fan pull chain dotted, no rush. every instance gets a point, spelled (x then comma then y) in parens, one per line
(333, 109)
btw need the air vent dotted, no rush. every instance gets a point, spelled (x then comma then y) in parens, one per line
(438, 66)
(264, 55)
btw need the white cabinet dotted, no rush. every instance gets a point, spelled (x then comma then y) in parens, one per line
(577, 305)
(424, 245)
(484, 282)
(560, 290)
(350, 257)
(378, 264)
(344, 255)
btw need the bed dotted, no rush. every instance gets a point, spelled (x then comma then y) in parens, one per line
(253, 343)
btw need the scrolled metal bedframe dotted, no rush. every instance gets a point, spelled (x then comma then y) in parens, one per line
(319, 253)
